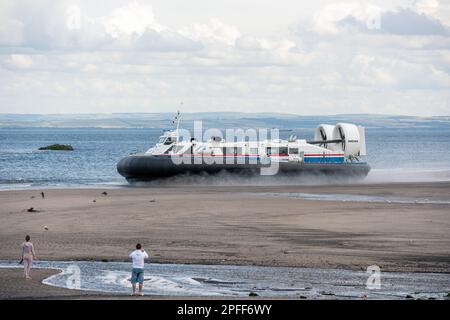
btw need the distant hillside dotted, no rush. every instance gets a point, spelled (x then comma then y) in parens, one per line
(212, 119)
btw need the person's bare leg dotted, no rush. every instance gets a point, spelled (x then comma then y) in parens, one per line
(134, 289)
(30, 263)
(25, 268)
(141, 285)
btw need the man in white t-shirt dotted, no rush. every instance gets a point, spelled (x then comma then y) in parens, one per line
(137, 273)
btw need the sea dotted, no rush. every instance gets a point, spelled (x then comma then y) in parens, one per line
(395, 155)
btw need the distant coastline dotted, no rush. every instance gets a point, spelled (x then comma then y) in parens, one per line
(213, 119)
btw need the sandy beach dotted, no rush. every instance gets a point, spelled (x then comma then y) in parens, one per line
(14, 286)
(235, 225)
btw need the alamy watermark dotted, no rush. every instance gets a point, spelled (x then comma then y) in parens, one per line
(74, 279)
(238, 147)
(373, 19)
(374, 280)
(73, 21)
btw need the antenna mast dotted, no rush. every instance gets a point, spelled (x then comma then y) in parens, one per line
(178, 119)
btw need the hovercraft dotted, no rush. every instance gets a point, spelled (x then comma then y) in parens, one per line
(336, 150)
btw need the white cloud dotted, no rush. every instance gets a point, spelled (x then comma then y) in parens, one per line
(356, 16)
(121, 56)
(327, 19)
(131, 20)
(409, 22)
(20, 61)
(68, 27)
(215, 30)
(397, 74)
(428, 7)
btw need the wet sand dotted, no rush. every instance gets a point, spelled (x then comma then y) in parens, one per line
(234, 225)
(14, 286)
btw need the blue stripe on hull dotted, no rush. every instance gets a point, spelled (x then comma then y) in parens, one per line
(324, 159)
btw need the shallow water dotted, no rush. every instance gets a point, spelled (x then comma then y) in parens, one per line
(226, 280)
(355, 198)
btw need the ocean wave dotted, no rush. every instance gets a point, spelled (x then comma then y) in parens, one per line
(16, 181)
(21, 184)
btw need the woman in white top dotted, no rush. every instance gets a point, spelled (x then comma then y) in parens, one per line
(28, 255)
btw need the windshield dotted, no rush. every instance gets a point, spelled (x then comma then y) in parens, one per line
(166, 140)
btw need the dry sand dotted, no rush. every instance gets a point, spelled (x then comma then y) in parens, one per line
(234, 225)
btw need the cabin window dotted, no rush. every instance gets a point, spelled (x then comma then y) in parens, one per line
(169, 140)
(283, 150)
(293, 150)
(253, 151)
(237, 151)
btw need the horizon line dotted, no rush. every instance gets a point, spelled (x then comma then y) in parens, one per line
(217, 112)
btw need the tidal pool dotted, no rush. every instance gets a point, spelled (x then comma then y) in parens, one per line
(239, 281)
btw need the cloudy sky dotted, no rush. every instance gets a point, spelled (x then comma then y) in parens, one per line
(290, 56)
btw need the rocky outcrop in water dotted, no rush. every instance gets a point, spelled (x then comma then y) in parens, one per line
(58, 147)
